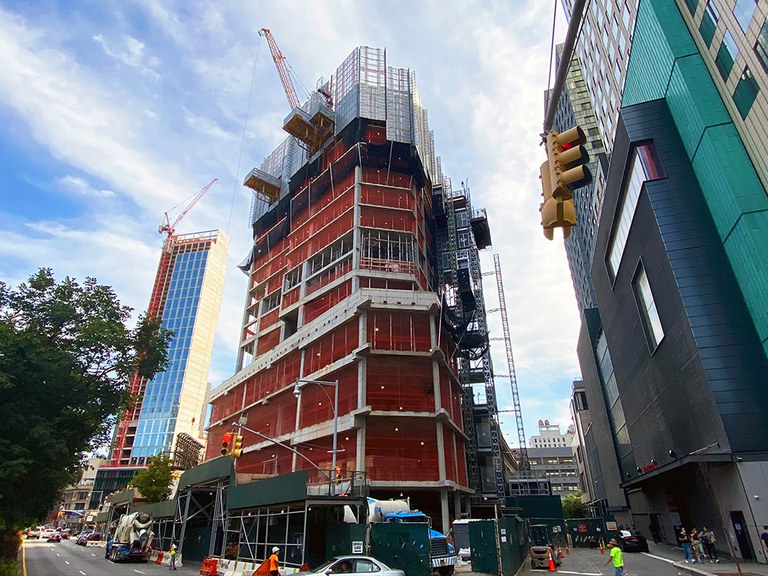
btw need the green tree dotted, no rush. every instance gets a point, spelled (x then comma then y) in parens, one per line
(154, 482)
(573, 506)
(66, 358)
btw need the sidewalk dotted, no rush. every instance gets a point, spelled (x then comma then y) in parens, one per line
(727, 566)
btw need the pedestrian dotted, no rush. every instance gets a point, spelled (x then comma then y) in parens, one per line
(764, 539)
(274, 565)
(174, 549)
(617, 557)
(709, 544)
(685, 543)
(695, 546)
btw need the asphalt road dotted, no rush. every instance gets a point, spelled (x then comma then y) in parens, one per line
(584, 562)
(66, 558)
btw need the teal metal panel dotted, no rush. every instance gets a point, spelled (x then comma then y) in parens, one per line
(654, 51)
(746, 248)
(206, 472)
(403, 546)
(285, 488)
(690, 77)
(727, 178)
(482, 539)
(165, 509)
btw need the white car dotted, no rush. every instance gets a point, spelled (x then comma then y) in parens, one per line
(353, 566)
(47, 533)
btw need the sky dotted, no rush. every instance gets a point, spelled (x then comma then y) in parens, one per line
(113, 112)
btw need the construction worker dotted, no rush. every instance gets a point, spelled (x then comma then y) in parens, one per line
(617, 557)
(274, 566)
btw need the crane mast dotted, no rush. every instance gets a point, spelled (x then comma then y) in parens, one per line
(282, 68)
(524, 464)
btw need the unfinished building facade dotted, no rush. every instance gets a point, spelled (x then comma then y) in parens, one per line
(349, 290)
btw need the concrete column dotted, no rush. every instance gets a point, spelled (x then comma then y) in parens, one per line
(445, 516)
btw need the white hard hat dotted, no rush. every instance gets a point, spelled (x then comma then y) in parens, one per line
(275, 549)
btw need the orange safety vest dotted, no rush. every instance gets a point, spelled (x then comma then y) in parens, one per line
(273, 563)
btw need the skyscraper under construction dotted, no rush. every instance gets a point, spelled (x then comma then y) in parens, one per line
(364, 326)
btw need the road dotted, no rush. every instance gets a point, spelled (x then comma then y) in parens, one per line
(584, 562)
(66, 558)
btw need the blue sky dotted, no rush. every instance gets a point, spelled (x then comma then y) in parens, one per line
(114, 112)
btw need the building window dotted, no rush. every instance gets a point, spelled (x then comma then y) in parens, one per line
(761, 46)
(745, 93)
(709, 23)
(692, 4)
(726, 55)
(644, 165)
(743, 12)
(651, 321)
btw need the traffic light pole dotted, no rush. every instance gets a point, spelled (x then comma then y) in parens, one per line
(565, 63)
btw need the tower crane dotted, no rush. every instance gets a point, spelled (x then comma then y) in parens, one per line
(168, 228)
(282, 68)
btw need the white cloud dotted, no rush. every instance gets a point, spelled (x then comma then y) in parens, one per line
(81, 187)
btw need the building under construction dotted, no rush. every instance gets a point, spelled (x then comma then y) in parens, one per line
(364, 349)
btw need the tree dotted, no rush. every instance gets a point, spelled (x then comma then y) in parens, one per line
(66, 358)
(573, 506)
(154, 482)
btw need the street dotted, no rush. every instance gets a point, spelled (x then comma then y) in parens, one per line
(66, 558)
(585, 562)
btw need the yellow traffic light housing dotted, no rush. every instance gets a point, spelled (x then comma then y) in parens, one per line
(237, 446)
(563, 171)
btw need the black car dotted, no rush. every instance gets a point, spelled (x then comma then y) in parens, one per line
(632, 541)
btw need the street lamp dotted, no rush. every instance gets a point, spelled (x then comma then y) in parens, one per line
(323, 384)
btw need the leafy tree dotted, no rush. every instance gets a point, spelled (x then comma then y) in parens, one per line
(154, 482)
(573, 506)
(66, 358)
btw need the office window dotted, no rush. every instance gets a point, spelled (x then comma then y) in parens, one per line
(643, 165)
(709, 23)
(726, 55)
(761, 46)
(745, 93)
(692, 4)
(743, 12)
(647, 305)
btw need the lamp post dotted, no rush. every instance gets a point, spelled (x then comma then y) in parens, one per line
(323, 383)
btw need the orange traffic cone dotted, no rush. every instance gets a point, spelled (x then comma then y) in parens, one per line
(551, 562)
(567, 551)
(602, 546)
(560, 552)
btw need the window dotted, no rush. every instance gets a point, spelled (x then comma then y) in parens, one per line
(745, 93)
(761, 46)
(743, 12)
(650, 315)
(726, 55)
(709, 23)
(692, 4)
(643, 165)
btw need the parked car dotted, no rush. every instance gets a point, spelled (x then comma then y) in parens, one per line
(354, 565)
(90, 537)
(33, 533)
(65, 534)
(632, 541)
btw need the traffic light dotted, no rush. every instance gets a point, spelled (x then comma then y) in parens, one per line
(225, 443)
(237, 446)
(563, 171)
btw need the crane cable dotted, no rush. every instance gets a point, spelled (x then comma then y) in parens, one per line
(242, 139)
